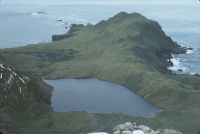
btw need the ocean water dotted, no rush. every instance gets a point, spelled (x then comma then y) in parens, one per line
(21, 24)
(19, 29)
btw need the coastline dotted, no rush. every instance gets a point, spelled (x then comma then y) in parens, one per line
(177, 66)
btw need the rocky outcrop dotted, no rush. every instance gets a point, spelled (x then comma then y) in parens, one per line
(72, 31)
(133, 128)
(20, 94)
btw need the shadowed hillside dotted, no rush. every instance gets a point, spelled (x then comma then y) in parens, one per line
(21, 97)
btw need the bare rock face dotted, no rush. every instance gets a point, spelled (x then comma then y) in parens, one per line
(72, 31)
(12, 87)
(133, 128)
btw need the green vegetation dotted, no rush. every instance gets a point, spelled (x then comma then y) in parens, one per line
(127, 49)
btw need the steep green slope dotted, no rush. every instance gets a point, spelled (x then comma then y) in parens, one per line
(21, 97)
(127, 49)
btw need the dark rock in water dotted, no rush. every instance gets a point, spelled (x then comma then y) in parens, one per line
(180, 70)
(170, 63)
(190, 48)
(179, 49)
(186, 48)
(41, 12)
(72, 31)
(59, 20)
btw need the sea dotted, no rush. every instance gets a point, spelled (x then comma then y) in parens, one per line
(22, 24)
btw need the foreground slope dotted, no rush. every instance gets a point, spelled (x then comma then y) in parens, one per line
(127, 49)
(21, 97)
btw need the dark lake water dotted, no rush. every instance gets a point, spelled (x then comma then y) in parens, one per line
(96, 96)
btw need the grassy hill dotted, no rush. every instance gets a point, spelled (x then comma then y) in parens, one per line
(127, 49)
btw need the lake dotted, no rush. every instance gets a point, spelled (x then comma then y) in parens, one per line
(96, 96)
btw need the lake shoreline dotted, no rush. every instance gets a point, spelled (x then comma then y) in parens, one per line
(105, 83)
